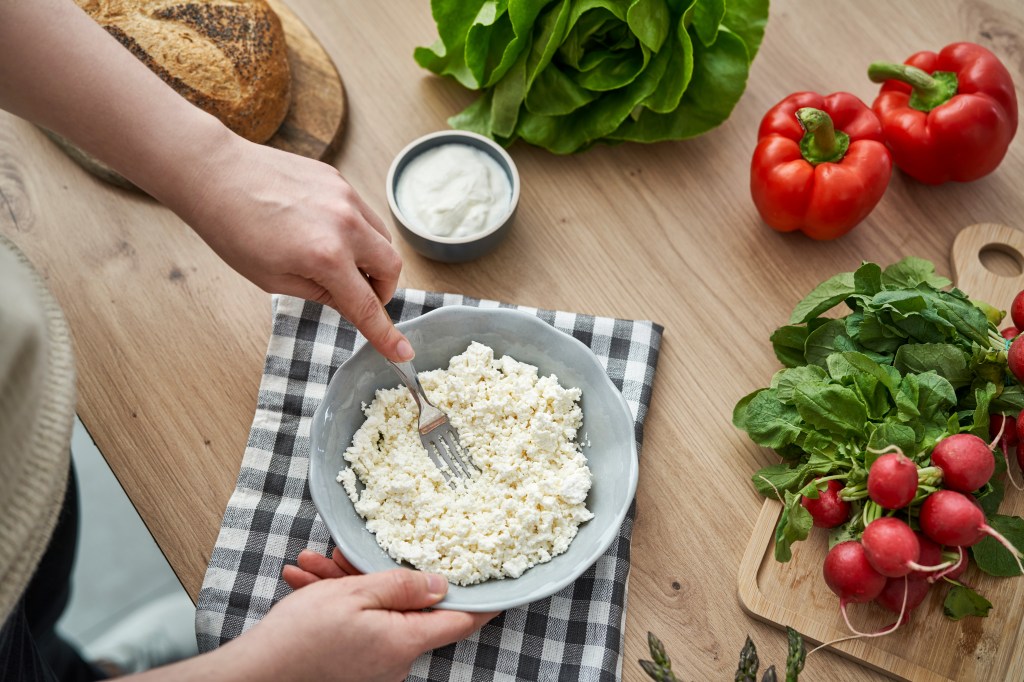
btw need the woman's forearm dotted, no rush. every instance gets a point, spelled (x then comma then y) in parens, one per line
(240, 660)
(289, 224)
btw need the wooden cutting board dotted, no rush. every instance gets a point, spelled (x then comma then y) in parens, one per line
(931, 648)
(316, 116)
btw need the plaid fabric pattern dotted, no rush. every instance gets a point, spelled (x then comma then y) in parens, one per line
(576, 634)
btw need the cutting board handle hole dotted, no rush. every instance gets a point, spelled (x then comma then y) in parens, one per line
(1002, 259)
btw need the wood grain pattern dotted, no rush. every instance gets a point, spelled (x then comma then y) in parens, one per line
(795, 593)
(316, 116)
(972, 251)
(170, 340)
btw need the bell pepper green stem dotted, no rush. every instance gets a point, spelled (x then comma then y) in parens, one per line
(822, 143)
(929, 90)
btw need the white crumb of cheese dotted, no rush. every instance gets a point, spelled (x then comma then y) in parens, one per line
(523, 508)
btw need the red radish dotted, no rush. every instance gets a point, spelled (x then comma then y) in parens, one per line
(828, 511)
(1020, 450)
(952, 518)
(1020, 430)
(966, 461)
(892, 480)
(1017, 310)
(1015, 358)
(892, 548)
(892, 595)
(1009, 333)
(1005, 432)
(848, 574)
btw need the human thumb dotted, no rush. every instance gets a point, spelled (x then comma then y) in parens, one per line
(401, 589)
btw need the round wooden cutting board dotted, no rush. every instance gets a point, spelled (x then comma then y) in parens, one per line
(987, 263)
(315, 118)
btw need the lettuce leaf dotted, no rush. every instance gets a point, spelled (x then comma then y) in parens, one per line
(565, 74)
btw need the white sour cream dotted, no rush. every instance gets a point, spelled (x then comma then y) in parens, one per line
(453, 190)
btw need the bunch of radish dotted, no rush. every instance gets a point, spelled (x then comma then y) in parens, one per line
(880, 416)
(926, 515)
(892, 564)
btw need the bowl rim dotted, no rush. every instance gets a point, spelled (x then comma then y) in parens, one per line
(605, 538)
(407, 152)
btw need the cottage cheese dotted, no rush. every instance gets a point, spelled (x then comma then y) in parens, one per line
(522, 509)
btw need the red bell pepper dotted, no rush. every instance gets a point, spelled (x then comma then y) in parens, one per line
(947, 116)
(820, 165)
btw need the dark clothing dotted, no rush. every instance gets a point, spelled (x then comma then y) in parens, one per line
(31, 650)
(19, 659)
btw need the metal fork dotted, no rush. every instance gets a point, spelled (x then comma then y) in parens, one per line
(438, 435)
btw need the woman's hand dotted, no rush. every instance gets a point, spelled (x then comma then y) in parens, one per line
(341, 625)
(338, 626)
(294, 226)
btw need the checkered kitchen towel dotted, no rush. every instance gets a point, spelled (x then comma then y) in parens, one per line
(575, 635)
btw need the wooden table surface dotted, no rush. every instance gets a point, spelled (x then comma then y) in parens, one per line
(170, 340)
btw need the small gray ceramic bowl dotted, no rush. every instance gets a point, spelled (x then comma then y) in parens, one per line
(438, 336)
(452, 249)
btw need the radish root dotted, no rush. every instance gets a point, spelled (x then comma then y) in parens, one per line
(857, 634)
(959, 561)
(992, 446)
(929, 569)
(886, 450)
(999, 436)
(1009, 475)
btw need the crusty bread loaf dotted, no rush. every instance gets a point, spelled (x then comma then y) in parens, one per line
(227, 57)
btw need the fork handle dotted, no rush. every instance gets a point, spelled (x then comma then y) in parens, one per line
(407, 373)
(430, 416)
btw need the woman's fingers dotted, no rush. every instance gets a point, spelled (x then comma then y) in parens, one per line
(399, 590)
(312, 567)
(297, 578)
(371, 216)
(384, 291)
(344, 563)
(319, 565)
(378, 260)
(440, 627)
(357, 301)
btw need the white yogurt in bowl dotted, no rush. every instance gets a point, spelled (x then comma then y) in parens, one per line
(453, 190)
(453, 195)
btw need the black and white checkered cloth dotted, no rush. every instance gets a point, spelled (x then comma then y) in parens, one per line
(575, 635)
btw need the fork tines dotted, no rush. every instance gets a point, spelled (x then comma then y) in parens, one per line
(454, 461)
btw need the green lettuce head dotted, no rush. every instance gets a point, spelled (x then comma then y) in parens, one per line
(564, 74)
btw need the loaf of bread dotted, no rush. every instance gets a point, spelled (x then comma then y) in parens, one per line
(227, 57)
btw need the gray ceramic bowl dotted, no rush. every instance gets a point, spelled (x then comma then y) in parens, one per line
(438, 336)
(452, 249)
